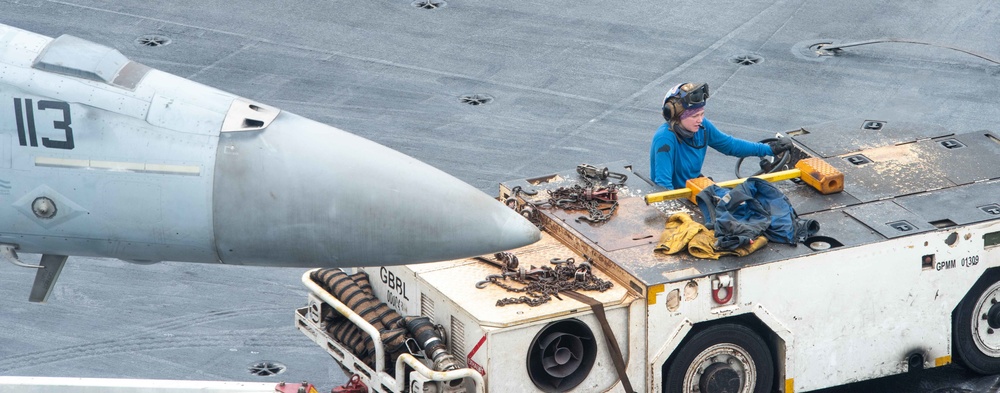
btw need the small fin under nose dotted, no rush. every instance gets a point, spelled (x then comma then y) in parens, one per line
(45, 278)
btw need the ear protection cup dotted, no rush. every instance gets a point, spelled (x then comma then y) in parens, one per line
(672, 107)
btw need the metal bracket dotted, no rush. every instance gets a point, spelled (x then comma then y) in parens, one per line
(48, 271)
(45, 278)
(8, 253)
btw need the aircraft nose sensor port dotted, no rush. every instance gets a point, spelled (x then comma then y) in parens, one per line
(44, 207)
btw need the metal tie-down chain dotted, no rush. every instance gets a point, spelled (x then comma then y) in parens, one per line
(599, 202)
(540, 284)
(527, 209)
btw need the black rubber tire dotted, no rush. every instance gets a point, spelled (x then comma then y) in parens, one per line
(732, 335)
(963, 329)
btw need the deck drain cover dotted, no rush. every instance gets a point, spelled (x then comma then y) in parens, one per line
(476, 99)
(815, 50)
(820, 49)
(153, 41)
(429, 4)
(747, 59)
(266, 368)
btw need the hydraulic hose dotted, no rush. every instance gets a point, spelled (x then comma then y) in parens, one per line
(433, 346)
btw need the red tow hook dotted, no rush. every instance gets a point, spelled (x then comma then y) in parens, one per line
(723, 283)
(352, 386)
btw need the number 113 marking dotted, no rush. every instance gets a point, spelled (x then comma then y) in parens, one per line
(27, 112)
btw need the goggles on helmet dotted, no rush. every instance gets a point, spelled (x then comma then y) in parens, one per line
(695, 97)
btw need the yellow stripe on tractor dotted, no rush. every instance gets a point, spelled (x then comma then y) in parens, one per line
(813, 171)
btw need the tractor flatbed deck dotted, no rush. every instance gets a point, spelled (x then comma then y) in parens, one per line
(899, 180)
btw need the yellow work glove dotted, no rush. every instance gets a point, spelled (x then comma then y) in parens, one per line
(703, 246)
(679, 230)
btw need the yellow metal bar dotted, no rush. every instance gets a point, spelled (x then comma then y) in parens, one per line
(686, 192)
(770, 177)
(668, 195)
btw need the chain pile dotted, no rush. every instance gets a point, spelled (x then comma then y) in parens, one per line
(599, 202)
(541, 284)
(527, 209)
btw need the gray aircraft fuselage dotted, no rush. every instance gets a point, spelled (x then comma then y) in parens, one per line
(101, 156)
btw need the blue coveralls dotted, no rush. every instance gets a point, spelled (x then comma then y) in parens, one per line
(672, 162)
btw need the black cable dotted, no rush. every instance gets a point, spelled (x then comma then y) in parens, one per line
(833, 48)
(782, 157)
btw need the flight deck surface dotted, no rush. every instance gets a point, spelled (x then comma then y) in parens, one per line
(558, 82)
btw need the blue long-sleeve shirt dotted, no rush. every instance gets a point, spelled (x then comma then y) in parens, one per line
(672, 162)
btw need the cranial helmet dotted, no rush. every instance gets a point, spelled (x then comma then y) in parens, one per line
(684, 96)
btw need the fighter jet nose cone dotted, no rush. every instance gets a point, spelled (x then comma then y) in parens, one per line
(518, 232)
(302, 193)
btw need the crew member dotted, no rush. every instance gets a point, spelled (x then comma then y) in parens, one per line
(678, 149)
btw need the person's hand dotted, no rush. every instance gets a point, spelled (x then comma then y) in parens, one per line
(781, 145)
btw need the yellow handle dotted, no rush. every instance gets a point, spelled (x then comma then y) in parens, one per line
(686, 192)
